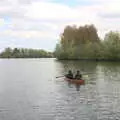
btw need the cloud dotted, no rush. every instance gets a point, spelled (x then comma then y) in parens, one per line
(28, 34)
(44, 20)
(2, 22)
(50, 11)
(111, 10)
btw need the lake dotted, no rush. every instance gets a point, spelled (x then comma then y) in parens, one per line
(29, 90)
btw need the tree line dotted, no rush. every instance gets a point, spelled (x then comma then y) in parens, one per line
(83, 42)
(25, 53)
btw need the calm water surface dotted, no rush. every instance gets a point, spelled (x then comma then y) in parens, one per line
(30, 91)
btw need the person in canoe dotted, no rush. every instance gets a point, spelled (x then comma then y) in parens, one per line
(69, 75)
(78, 76)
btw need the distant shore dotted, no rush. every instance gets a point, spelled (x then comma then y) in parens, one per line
(25, 53)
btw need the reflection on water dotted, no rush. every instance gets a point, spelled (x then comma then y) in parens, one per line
(83, 66)
(30, 91)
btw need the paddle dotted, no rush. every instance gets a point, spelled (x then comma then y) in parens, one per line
(60, 76)
(84, 75)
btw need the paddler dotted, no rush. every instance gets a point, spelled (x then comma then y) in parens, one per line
(69, 75)
(78, 76)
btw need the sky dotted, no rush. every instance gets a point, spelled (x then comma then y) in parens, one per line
(38, 23)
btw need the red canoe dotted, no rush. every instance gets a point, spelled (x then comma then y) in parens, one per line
(75, 81)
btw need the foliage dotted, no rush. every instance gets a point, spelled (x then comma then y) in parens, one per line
(24, 53)
(83, 43)
(112, 45)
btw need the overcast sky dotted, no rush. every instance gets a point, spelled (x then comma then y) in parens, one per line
(38, 23)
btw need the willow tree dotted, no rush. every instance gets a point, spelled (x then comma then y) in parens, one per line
(74, 39)
(86, 34)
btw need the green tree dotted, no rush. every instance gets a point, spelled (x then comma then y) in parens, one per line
(25, 53)
(112, 45)
(7, 53)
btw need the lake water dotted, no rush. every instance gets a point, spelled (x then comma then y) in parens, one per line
(30, 91)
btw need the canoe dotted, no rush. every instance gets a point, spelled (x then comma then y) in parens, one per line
(75, 81)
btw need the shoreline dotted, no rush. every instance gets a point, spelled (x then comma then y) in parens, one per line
(94, 60)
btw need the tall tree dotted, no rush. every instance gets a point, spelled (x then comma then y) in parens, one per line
(74, 40)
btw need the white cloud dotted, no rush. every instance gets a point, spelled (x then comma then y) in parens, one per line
(51, 11)
(2, 22)
(45, 20)
(28, 34)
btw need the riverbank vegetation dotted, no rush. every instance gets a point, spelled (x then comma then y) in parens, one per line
(25, 53)
(84, 43)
